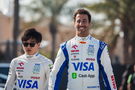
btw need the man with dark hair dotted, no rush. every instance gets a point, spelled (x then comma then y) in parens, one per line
(85, 57)
(31, 70)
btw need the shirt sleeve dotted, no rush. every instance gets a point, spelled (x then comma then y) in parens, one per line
(129, 78)
(58, 68)
(50, 65)
(11, 77)
(107, 71)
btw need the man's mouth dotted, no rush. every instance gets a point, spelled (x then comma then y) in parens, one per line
(28, 50)
(82, 28)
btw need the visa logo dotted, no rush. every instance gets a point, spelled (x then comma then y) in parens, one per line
(27, 84)
(83, 66)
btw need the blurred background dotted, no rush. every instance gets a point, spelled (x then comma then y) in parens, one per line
(112, 22)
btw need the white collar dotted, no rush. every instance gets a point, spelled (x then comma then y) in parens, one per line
(82, 38)
(31, 56)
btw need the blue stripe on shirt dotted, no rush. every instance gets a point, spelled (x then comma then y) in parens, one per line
(65, 63)
(101, 68)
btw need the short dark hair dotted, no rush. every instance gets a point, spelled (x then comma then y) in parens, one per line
(32, 33)
(82, 11)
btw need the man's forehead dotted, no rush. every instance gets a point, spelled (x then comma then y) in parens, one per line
(81, 16)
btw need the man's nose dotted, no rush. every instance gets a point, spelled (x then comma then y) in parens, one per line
(28, 46)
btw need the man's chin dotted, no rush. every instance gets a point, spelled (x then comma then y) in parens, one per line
(29, 53)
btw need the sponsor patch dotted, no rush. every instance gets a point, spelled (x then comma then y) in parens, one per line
(27, 84)
(74, 58)
(93, 86)
(90, 59)
(86, 76)
(74, 50)
(36, 68)
(113, 81)
(33, 77)
(20, 76)
(83, 66)
(90, 50)
(82, 42)
(50, 66)
(75, 46)
(19, 67)
(74, 75)
(21, 63)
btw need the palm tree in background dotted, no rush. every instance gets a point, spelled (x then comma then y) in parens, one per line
(51, 8)
(122, 10)
(55, 7)
(15, 27)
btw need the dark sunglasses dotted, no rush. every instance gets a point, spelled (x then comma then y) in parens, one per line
(25, 44)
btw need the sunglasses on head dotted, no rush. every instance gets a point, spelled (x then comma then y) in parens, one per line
(25, 44)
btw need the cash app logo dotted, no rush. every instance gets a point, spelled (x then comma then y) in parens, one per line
(74, 75)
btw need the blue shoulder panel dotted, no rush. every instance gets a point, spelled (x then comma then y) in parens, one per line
(101, 68)
(65, 64)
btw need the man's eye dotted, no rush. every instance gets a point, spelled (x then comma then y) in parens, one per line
(78, 21)
(84, 21)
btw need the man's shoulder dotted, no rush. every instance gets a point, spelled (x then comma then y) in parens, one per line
(98, 41)
(44, 59)
(46, 62)
(18, 58)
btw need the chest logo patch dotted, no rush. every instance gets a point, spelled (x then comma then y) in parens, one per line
(83, 66)
(36, 68)
(90, 50)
